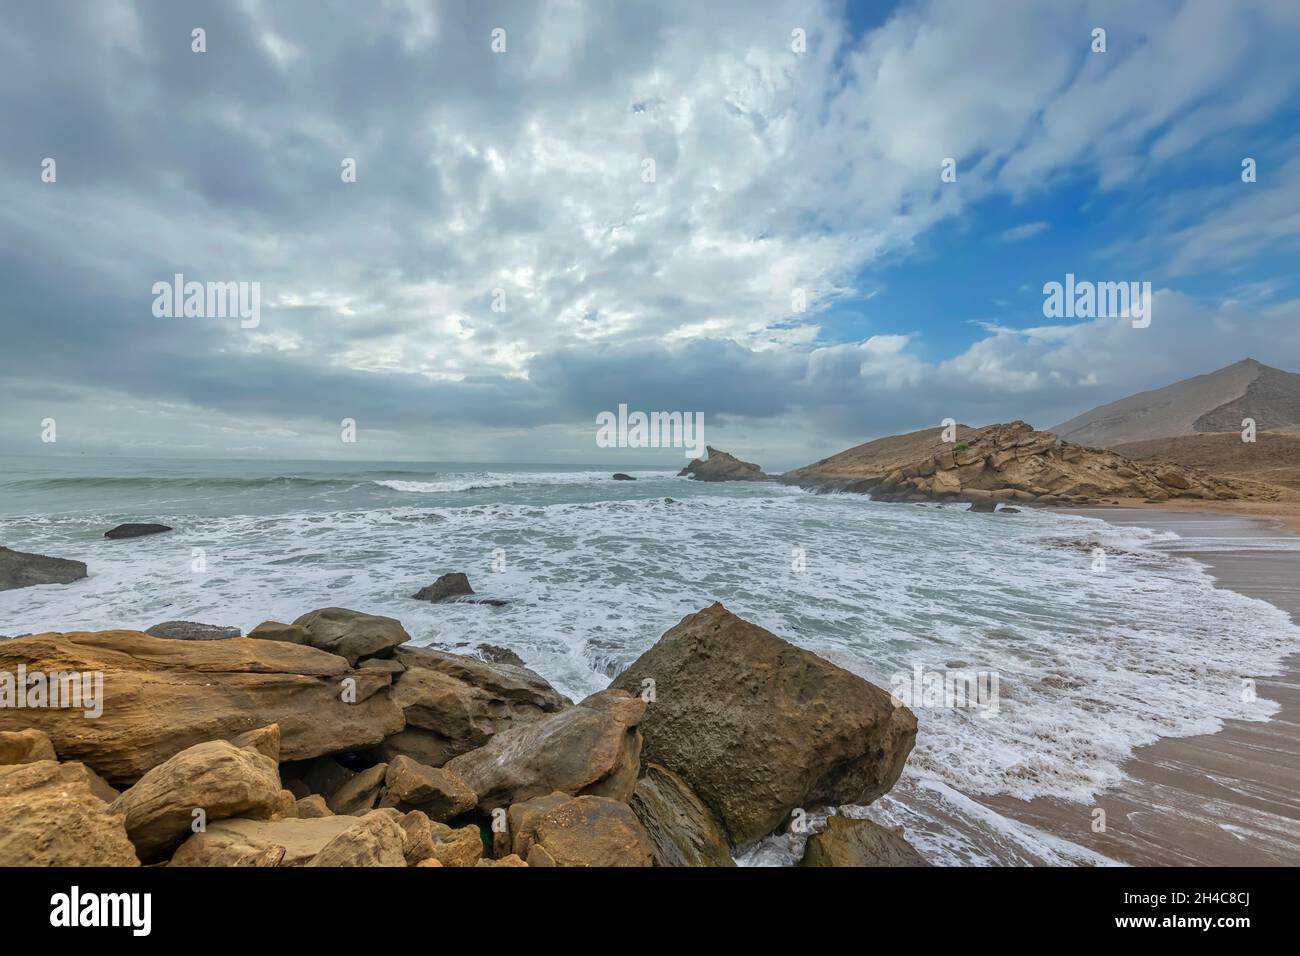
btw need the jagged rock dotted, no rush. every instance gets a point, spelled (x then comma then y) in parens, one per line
(460, 847)
(682, 830)
(592, 747)
(351, 634)
(216, 777)
(162, 696)
(849, 842)
(757, 727)
(376, 840)
(135, 530)
(521, 819)
(437, 792)
(587, 831)
(499, 655)
(50, 817)
(447, 586)
(453, 704)
(265, 740)
(359, 793)
(18, 569)
(720, 466)
(190, 631)
(25, 746)
(237, 842)
(417, 832)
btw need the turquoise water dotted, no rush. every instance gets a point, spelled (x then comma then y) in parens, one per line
(1091, 663)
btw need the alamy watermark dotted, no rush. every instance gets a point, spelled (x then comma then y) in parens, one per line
(59, 690)
(653, 430)
(213, 300)
(1098, 300)
(960, 689)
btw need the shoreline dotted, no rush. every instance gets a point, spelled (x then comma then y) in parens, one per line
(1227, 798)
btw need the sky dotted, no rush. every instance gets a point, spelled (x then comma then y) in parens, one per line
(730, 208)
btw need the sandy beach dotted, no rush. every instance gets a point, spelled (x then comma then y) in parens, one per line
(1231, 798)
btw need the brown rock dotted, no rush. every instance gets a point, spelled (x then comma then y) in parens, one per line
(417, 832)
(351, 634)
(313, 805)
(265, 740)
(592, 745)
(461, 847)
(237, 842)
(591, 831)
(218, 778)
(275, 631)
(440, 793)
(720, 466)
(510, 860)
(757, 727)
(359, 794)
(453, 703)
(448, 586)
(25, 746)
(522, 818)
(849, 842)
(376, 840)
(162, 696)
(682, 830)
(50, 817)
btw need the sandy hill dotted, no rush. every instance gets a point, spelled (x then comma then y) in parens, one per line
(1216, 402)
(1008, 462)
(1273, 457)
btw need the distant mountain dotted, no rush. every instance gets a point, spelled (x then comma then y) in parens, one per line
(1216, 402)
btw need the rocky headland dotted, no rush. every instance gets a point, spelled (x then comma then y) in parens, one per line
(1009, 463)
(333, 742)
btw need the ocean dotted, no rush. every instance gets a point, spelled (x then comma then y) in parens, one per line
(1091, 661)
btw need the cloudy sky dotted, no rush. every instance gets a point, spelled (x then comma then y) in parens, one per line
(520, 178)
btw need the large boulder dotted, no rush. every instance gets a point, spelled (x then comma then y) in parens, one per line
(453, 703)
(359, 793)
(162, 696)
(720, 466)
(192, 631)
(849, 842)
(19, 569)
(351, 634)
(376, 840)
(25, 746)
(237, 842)
(585, 831)
(50, 817)
(435, 791)
(593, 747)
(758, 727)
(682, 830)
(449, 585)
(216, 777)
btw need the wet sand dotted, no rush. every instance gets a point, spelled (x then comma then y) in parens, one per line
(1227, 799)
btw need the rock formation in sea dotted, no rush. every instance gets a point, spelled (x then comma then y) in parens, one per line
(720, 466)
(333, 742)
(19, 569)
(135, 530)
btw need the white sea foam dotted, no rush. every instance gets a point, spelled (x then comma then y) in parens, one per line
(1091, 664)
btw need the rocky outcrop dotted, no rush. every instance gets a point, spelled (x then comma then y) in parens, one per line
(19, 569)
(499, 655)
(135, 530)
(453, 704)
(848, 842)
(436, 791)
(592, 747)
(758, 727)
(25, 746)
(216, 778)
(1004, 463)
(352, 634)
(681, 829)
(50, 817)
(448, 586)
(720, 466)
(191, 631)
(162, 696)
(581, 831)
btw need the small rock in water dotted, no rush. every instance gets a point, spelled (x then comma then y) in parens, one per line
(619, 476)
(1008, 511)
(135, 530)
(449, 585)
(983, 507)
(192, 631)
(499, 655)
